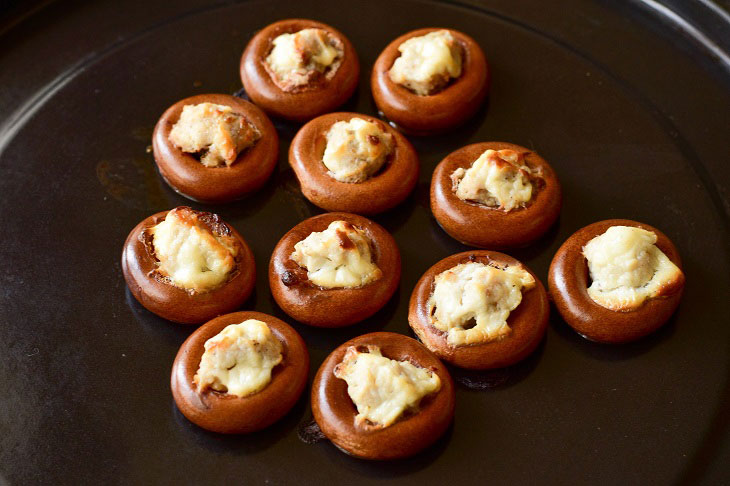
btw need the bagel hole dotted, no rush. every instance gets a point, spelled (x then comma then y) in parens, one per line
(469, 324)
(587, 272)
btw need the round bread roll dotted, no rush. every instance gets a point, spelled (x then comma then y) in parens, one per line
(569, 279)
(305, 102)
(380, 192)
(477, 225)
(527, 322)
(190, 178)
(333, 307)
(158, 295)
(229, 414)
(439, 112)
(335, 412)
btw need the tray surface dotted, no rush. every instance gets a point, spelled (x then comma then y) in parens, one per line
(632, 116)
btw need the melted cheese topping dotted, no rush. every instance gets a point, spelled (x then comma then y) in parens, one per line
(427, 63)
(337, 257)
(382, 388)
(189, 254)
(215, 131)
(497, 179)
(239, 359)
(627, 268)
(478, 295)
(296, 59)
(356, 150)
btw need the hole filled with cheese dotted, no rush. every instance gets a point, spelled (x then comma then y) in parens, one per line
(189, 254)
(356, 150)
(299, 58)
(497, 179)
(471, 302)
(627, 268)
(382, 389)
(215, 132)
(239, 359)
(427, 63)
(339, 256)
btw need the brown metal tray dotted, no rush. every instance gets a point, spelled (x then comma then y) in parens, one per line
(629, 108)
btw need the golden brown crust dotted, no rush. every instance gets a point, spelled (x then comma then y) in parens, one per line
(173, 303)
(444, 110)
(528, 322)
(303, 104)
(228, 414)
(335, 413)
(186, 175)
(568, 280)
(480, 226)
(384, 190)
(337, 307)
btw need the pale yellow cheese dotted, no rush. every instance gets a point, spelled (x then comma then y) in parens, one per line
(189, 254)
(627, 268)
(427, 63)
(338, 257)
(478, 295)
(239, 359)
(215, 131)
(356, 149)
(497, 179)
(382, 389)
(296, 57)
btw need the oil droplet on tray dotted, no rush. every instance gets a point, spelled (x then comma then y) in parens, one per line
(310, 433)
(133, 182)
(481, 380)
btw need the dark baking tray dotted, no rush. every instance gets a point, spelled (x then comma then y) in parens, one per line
(626, 101)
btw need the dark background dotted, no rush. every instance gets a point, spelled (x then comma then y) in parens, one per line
(630, 109)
